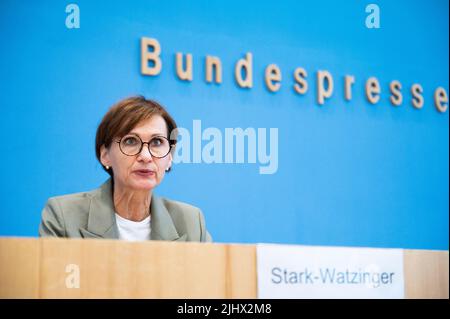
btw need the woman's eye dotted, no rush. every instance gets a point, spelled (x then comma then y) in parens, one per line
(130, 141)
(156, 142)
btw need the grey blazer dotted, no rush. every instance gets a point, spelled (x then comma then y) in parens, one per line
(92, 215)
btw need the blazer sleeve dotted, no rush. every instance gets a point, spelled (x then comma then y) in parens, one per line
(52, 223)
(204, 234)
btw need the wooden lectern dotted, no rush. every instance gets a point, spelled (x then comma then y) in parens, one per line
(49, 268)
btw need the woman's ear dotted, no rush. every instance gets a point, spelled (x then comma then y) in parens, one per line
(104, 156)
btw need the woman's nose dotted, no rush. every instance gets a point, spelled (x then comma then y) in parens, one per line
(145, 154)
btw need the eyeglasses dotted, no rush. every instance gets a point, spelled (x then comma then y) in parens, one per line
(131, 144)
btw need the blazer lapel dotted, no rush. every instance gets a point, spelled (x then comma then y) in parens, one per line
(102, 220)
(161, 222)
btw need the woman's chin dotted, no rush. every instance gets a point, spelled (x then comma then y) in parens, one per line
(147, 187)
(144, 184)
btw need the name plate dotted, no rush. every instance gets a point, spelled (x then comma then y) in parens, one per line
(286, 271)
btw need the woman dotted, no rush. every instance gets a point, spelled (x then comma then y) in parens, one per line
(135, 147)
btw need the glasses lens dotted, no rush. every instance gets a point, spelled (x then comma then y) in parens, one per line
(130, 144)
(159, 146)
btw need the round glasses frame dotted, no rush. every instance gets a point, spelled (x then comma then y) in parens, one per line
(148, 145)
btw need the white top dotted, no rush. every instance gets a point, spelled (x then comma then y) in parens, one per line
(133, 231)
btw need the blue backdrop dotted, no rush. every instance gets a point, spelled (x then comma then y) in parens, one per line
(349, 173)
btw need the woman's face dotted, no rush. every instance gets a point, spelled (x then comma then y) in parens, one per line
(141, 171)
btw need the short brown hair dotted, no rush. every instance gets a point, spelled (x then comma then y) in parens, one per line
(125, 115)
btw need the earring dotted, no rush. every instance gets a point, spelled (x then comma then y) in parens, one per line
(107, 167)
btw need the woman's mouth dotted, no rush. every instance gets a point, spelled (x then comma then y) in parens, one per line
(144, 172)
